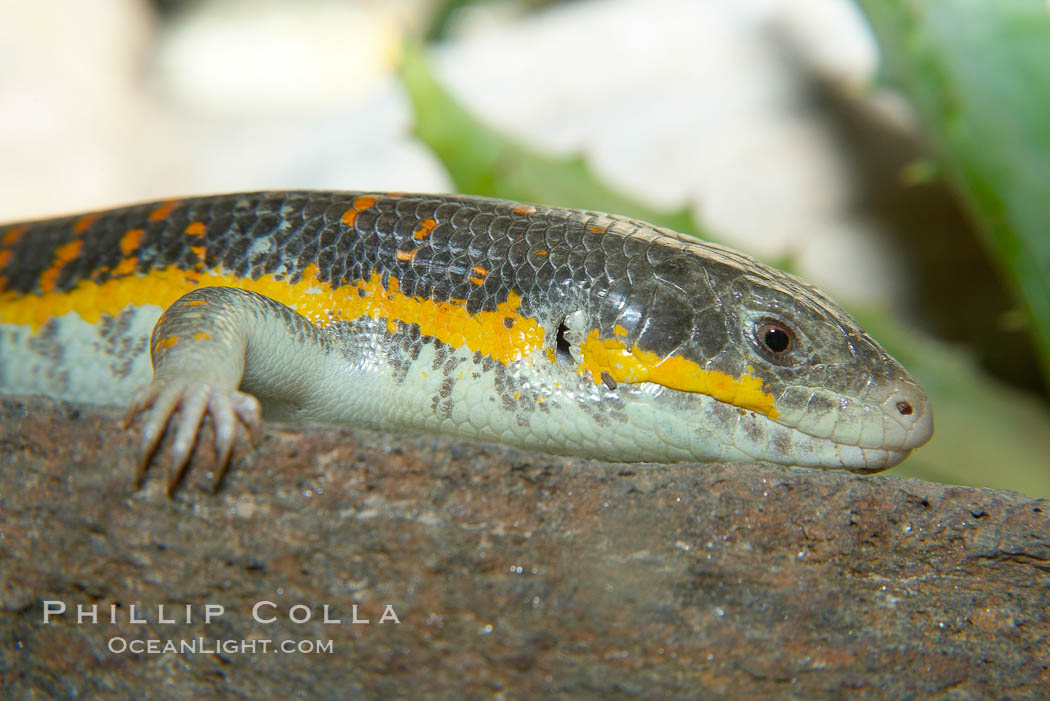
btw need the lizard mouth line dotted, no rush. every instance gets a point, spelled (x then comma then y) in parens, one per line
(878, 431)
(820, 451)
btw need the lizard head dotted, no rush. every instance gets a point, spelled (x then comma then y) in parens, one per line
(767, 367)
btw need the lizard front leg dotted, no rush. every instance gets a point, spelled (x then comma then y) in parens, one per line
(216, 351)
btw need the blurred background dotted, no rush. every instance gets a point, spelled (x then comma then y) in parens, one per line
(910, 182)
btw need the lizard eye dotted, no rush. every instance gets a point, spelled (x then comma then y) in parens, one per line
(774, 340)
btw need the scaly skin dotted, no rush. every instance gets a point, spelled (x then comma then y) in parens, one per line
(559, 330)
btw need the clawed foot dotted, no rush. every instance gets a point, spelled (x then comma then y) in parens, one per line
(182, 405)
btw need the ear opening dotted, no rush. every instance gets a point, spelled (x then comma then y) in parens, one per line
(563, 349)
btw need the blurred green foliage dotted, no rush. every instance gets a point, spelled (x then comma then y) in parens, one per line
(446, 12)
(978, 74)
(987, 435)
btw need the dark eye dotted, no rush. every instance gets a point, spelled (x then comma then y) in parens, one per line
(774, 340)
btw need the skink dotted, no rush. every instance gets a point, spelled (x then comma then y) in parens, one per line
(559, 330)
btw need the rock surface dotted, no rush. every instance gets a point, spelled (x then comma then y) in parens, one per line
(511, 574)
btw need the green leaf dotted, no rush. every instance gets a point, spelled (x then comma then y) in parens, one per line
(978, 74)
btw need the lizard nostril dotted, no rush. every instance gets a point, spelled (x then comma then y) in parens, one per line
(909, 421)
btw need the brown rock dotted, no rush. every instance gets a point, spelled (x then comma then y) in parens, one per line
(511, 574)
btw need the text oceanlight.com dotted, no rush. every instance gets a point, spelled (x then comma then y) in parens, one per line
(201, 646)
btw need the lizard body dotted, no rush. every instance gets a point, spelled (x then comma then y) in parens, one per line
(558, 330)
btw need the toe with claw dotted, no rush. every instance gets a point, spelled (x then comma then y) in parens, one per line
(180, 407)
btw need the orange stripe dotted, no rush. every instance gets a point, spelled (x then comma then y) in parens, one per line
(48, 279)
(449, 322)
(425, 228)
(633, 366)
(524, 209)
(131, 241)
(196, 228)
(357, 206)
(63, 254)
(5, 258)
(67, 252)
(14, 235)
(162, 212)
(126, 266)
(84, 222)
